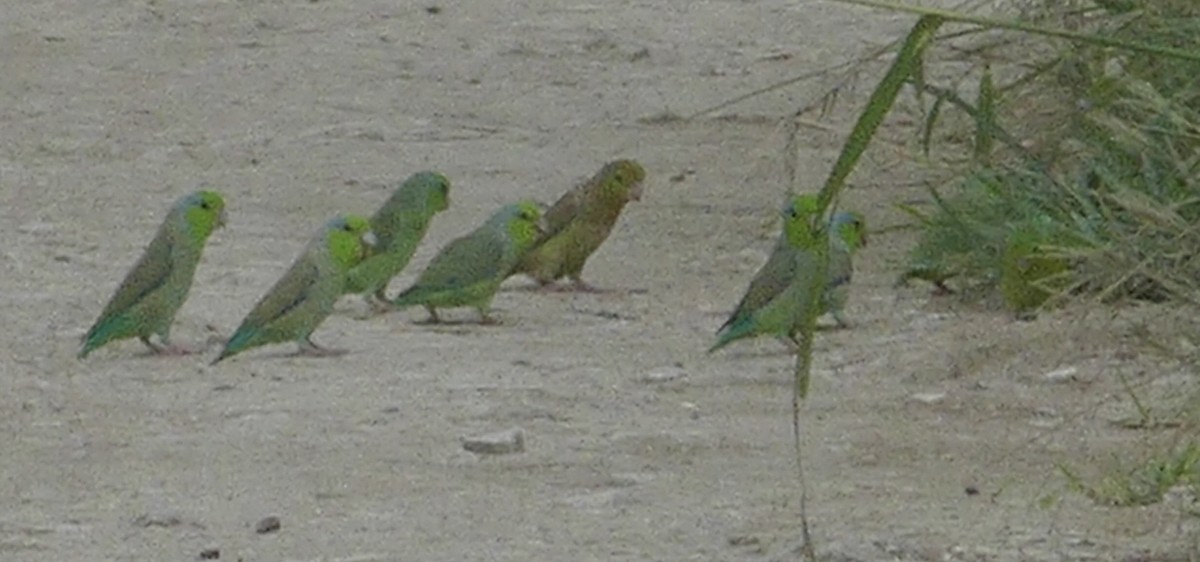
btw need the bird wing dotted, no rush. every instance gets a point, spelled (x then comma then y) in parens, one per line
(462, 263)
(768, 283)
(292, 290)
(150, 273)
(565, 210)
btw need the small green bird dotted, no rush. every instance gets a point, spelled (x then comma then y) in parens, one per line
(786, 289)
(399, 225)
(305, 295)
(469, 270)
(580, 221)
(153, 291)
(848, 233)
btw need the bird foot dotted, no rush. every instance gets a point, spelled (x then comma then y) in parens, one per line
(839, 324)
(792, 345)
(489, 320)
(1026, 316)
(173, 350)
(941, 290)
(170, 349)
(311, 349)
(579, 285)
(433, 317)
(549, 287)
(582, 287)
(377, 307)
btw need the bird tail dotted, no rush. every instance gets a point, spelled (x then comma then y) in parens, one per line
(731, 331)
(236, 343)
(355, 282)
(101, 334)
(409, 297)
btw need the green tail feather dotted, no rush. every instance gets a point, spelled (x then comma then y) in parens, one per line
(407, 298)
(240, 340)
(105, 332)
(733, 331)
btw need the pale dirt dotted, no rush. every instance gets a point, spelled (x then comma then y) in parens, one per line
(299, 110)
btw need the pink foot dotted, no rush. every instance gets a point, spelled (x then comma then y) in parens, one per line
(310, 349)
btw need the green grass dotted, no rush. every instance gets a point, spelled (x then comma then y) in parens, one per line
(1079, 179)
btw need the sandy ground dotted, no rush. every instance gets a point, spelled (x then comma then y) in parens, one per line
(299, 110)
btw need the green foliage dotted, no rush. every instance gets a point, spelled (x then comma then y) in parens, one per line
(1102, 190)
(1080, 176)
(1143, 483)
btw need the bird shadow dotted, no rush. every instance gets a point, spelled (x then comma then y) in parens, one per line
(563, 289)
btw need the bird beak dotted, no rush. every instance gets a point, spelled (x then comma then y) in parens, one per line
(542, 226)
(221, 218)
(635, 191)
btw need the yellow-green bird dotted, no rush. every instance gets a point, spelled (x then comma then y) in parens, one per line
(580, 221)
(399, 225)
(469, 270)
(153, 291)
(847, 233)
(788, 288)
(1029, 275)
(305, 295)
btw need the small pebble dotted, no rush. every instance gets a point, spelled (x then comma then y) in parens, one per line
(37, 227)
(664, 374)
(929, 397)
(210, 554)
(267, 525)
(743, 540)
(693, 409)
(157, 520)
(499, 443)
(1065, 374)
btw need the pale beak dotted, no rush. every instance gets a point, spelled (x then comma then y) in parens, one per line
(221, 218)
(635, 191)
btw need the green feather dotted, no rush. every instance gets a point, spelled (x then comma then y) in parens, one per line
(155, 288)
(848, 234)
(469, 270)
(302, 299)
(399, 225)
(580, 221)
(786, 288)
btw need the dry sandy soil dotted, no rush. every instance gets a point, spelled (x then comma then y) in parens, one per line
(299, 110)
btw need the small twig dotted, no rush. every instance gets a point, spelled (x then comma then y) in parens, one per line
(770, 88)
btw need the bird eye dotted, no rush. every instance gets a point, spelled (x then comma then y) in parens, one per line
(204, 205)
